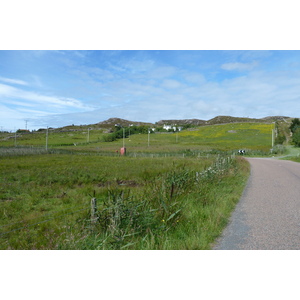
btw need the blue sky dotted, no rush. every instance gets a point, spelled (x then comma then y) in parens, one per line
(58, 88)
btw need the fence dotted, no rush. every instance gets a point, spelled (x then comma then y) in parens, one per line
(219, 167)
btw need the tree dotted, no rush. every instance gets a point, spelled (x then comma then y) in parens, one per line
(280, 139)
(296, 137)
(295, 124)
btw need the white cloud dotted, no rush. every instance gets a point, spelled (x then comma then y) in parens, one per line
(162, 72)
(193, 77)
(18, 105)
(237, 66)
(171, 84)
(13, 81)
(10, 92)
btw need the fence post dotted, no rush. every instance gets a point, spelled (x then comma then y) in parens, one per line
(93, 210)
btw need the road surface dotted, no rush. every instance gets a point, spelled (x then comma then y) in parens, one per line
(268, 214)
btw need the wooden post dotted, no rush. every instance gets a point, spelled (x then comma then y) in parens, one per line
(93, 210)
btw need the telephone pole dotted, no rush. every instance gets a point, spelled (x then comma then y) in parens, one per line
(47, 139)
(88, 136)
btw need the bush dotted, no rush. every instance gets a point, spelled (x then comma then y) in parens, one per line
(295, 125)
(296, 137)
(280, 139)
(119, 132)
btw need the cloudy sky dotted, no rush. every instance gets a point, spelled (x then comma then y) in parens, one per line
(57, 88)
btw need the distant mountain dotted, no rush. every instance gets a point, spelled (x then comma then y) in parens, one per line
(110, 123)
(222, 120)
(113, 121)
(196, 122)
(276, 118)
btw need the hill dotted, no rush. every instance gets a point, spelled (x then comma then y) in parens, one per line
(113, 121)
(195, 122)
(108, 124)
(223, 120)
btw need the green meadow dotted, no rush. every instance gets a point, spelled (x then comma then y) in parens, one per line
(171, 190)
(226, 137)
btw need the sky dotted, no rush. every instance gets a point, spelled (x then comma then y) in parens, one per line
(57, 88)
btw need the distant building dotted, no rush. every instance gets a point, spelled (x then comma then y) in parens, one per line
(167, 127)
(172, 127)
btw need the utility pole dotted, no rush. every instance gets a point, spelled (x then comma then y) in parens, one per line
(123, 137)
(148, 137)
(47, 139)
(88, 136)
(15, 137)
(273, 129)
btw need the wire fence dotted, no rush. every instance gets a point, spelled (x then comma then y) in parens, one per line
(97, 151)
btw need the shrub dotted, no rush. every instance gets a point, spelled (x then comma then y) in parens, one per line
(296, 137)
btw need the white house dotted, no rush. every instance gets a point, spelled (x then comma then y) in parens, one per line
(169, 127)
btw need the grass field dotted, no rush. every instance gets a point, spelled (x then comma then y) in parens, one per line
(172, 190)
(234, 136)
(143, 203)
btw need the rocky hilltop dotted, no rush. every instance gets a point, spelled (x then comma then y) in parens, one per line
(109, 124)
(196, 122)
(113, 121)
(222, 120)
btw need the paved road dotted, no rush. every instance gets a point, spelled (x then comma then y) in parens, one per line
(268, 214)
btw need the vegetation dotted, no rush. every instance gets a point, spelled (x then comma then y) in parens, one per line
(295, 130)
(143, 203)
(171, 190)
(296, 137)
(232, 136)
(294, 125)
(125, 132)
(226, 137)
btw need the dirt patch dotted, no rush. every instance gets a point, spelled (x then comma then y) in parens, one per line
(130, 183)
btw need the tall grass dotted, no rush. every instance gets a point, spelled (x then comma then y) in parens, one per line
(143, 203)
(185, 210)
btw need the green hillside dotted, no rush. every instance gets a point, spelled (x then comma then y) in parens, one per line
(233, 136)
